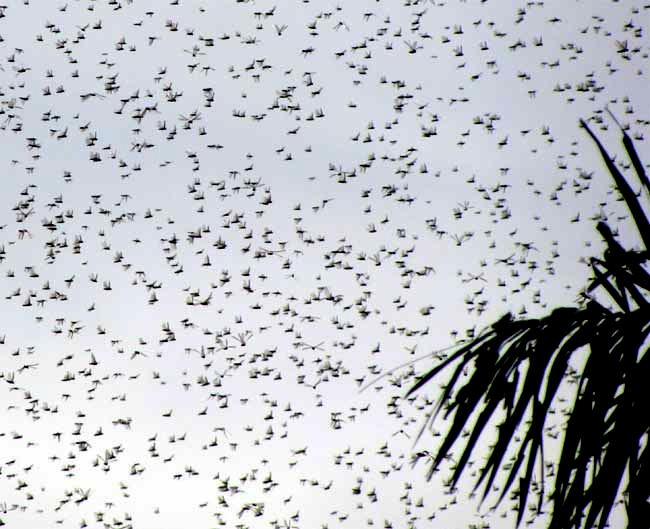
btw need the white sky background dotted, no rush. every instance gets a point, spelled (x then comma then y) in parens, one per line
(464, 161)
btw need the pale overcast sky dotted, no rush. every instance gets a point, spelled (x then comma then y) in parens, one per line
(222, 219)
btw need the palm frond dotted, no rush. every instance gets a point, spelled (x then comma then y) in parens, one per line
(519, 367)
(622, 185)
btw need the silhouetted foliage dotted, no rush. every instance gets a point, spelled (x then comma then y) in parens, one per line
(520, 364)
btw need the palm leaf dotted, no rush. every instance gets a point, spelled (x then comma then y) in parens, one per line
(632, 154)
(522, 364)
(624, 188)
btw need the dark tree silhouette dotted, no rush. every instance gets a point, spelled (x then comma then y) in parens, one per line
(521, 363)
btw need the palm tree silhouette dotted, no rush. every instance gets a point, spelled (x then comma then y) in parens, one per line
(521, 363)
